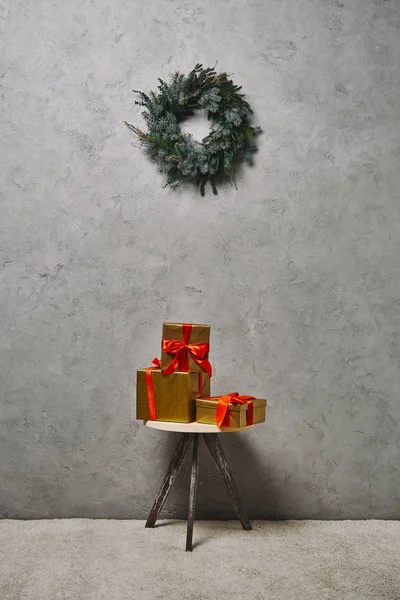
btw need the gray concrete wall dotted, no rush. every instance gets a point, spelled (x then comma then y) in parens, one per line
(297, 270)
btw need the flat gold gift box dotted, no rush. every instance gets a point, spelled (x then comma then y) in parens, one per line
(173, 331)
(206, 410)
(174, 395)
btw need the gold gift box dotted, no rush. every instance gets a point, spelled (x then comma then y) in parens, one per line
(174, 395)
(173, 331)
(206, 409)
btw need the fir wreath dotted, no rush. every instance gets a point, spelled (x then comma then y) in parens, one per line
(179, 155)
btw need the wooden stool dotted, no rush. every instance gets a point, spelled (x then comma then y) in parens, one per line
(190, 432)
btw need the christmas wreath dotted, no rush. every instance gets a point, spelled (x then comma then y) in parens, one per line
(179, 155)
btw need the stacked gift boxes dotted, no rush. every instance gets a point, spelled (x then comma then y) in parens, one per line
(178, 388)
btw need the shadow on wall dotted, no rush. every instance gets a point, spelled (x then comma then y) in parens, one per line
(260, 492)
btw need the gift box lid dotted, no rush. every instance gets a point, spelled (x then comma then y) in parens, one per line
(179, 324)
(213, 403)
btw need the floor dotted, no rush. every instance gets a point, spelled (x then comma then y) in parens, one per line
(84, 559)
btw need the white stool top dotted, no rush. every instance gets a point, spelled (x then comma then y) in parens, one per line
(191, 427)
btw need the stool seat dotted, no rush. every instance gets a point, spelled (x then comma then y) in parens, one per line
(191, 427)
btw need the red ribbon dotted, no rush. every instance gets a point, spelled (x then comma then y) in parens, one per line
(222, 416)
(181, 351)
(150, 389)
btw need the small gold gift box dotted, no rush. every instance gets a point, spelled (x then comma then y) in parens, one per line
(237, 414)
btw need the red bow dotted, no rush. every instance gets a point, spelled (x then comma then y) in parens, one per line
(222, 416)
(150, 389)
(181, 350)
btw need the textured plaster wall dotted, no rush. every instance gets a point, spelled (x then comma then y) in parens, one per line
(297, 270)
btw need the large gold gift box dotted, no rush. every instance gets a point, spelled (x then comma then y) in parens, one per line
(173, 331)
(206, 410)
(175, 395)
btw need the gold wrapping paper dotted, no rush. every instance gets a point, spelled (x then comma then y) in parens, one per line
(175, 395)
(173, 331)
(206, 410)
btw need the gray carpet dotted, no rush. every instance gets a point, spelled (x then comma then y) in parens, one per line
(121, 560)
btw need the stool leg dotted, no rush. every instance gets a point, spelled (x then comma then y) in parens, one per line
(215, 448)
(170, 476)
(192, 492)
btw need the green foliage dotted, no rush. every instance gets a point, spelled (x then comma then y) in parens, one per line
(177, 154)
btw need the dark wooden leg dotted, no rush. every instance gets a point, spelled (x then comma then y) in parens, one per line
(170, 476)
(192, 492)
(215, 448)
